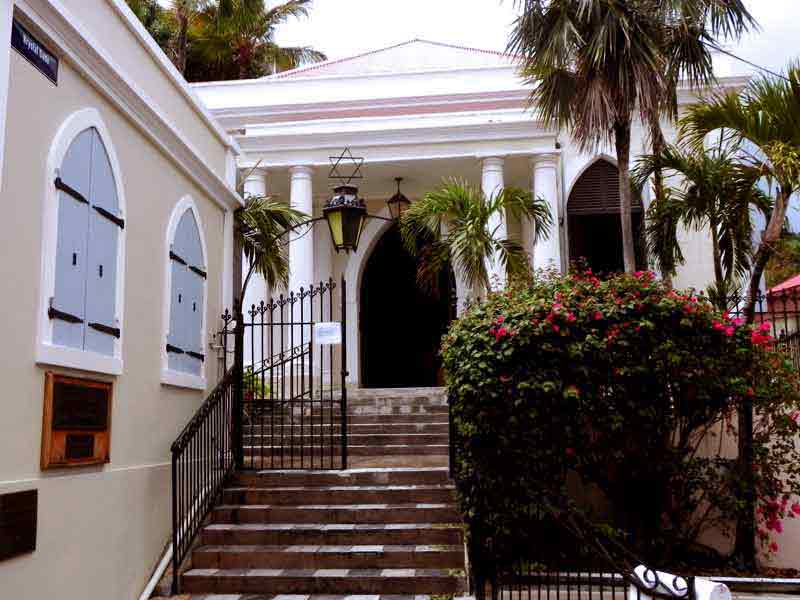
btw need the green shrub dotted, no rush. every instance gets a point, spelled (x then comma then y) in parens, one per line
(632, 389)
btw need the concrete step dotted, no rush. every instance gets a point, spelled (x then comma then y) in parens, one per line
(324, 581)
(407, 426)
(325, 597)
(300, 435)
(373, 476)
(327, 450)
(336, 513)
(342, 494)
(326, 534)
(267, 411)
(328, 557)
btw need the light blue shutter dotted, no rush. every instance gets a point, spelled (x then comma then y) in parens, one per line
(195, 288)
(71, 244)
(186, 302)
(179, 323)
(174, 338)
(102, 265)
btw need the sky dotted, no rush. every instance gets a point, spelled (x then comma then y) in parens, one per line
(342, 28)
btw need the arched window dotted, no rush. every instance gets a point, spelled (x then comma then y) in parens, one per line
(595, 230)
(186, 291)
(83, 238)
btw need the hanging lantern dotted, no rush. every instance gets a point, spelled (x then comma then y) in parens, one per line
(346, 215)
(398, 204)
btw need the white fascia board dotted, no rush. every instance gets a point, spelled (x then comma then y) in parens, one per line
(401, 124)
(78, 46)
(283, 92)
(165, 64)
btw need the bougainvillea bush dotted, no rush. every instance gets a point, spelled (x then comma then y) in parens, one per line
(632, 389)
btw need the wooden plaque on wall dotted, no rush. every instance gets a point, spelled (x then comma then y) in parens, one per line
(76, 422)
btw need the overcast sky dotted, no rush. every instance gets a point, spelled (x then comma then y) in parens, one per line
(343, 28)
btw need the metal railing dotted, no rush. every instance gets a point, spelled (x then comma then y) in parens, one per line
(202, 460)
(294, 399)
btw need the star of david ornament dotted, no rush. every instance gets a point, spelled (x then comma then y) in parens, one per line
(341, 162)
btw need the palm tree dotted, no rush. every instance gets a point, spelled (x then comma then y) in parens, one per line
(597, 63)
(261, 229)
(234, 39)
(764, 120)
(452, 226)
(716, 192)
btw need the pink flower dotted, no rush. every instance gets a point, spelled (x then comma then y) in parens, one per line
(598, 315)
(570, 317)
(796, 509)
(556, 328)
(795, 416)
(729, 331)
(500, 334)
(765, 326)
(500, 319)
(773, 547)
(570, 451)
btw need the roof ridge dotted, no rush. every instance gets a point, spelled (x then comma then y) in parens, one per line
(336, 61)
(320, 65)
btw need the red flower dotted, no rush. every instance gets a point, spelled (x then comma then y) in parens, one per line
(556, 328)
(773, 547)
(570, 451)
(598, 315)
(500, 319)
(796, 509)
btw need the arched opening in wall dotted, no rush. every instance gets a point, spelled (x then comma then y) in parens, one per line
(401, 325)
(595, 232)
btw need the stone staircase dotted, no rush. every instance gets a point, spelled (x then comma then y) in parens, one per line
(388, 526)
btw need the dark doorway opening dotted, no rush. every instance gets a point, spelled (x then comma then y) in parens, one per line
(595, 231)
(401, 325)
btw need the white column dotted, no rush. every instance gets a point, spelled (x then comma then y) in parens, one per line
(6, 15)
(255, 184)
(547, 253)
(301, 247)
(492, 184)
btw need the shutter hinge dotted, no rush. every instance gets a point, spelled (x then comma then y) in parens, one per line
(199, 271)
(105, 329)
(197, 355)
(54, 313)
(176, 258)
(60, 185)
(175, 349)
(110, 216)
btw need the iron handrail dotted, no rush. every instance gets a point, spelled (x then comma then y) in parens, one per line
(203, 457)
(213, 398)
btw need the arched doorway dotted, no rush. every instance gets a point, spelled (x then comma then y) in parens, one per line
(401, 326)
(595, 232)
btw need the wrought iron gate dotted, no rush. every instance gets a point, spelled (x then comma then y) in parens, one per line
(290, 398)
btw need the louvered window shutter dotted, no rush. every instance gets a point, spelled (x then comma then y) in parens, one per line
(597, 192)
(67, 307)
(195, 288)
(104, 230)
(184, 342)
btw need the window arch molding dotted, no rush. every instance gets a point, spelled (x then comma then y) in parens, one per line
(47, 352)
(170, 376)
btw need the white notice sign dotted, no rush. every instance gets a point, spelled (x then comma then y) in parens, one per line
(328, 334)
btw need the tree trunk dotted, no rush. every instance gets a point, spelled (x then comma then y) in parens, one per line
(718, 275)
(658, 143)
(745, 547)
(182, 39)
(766, 248)
(622, 138)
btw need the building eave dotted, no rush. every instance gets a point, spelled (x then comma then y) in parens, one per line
(83, 52)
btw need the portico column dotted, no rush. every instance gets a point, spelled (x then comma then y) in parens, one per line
(301, 246)
(255, 184)
(547, 253)
(492, 184)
